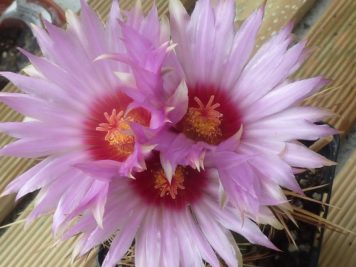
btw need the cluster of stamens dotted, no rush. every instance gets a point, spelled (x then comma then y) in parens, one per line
(118, 132)
(165, 188)
(202, 123)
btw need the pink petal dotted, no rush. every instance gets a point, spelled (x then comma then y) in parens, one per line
(66, 80)
(33, 148)
(124, 239)
(278, 171)
(15, 185)
(282, 98)
(93, 31)
(33, 129)
(102, 169)
(230, 218)
(243, 45)
(179, 101)
(311, 114)
(43, 89)
(224, 12)
(35, 108)
(112, 221)
(192, 232)
(217, 236)
(202, 33)
(44, 173)
(287, 130)
(297, 155)
(170, 246)
(70, 200)
(177, 149)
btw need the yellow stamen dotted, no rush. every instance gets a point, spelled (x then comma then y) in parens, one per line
(118, 132)
(202, 123)
(166, 188)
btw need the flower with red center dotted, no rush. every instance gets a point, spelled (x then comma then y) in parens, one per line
(177, 223)
(240, 114)
(82, 122)
(108, 131)
(207, 120)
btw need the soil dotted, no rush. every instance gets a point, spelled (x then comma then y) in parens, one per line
(13, 34)
(307, 237)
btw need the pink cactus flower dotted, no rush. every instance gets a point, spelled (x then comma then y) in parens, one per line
(81, 121)
(166, 134)
(239, 112)
(172, 224)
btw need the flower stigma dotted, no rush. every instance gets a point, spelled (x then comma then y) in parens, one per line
(169, 189)
(203, 122)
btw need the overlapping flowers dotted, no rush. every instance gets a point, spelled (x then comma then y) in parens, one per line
(170, 134)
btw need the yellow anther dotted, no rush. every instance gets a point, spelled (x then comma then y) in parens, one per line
(203, 123)
(166, 188)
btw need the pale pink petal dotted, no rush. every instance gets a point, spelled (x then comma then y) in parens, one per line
(201, 30)
(43, 89)
(33, 148)
(178, 149)
(112, 221)
(101, 169)
(275, 169)
(15, 185)
(43, 174)
(179, 102)
(257, 146)
(49, 196)
(310, 114)
(151, 26)
(66, 80)
(70, 199)
(44, 41)
(194, 233)
(170, 245)
(287, 130)
(33, 129)
(282, 98)
(123, 239)
(224, 12)
(298, 155)
(85, 224)
(35, 108)
(179, 20)
(271, 70)
(93, 31)
(217, 237)
(231, 219)
(243, 45)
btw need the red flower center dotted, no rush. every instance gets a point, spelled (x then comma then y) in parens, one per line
(211, 117)
(109, 135)
(153, 186)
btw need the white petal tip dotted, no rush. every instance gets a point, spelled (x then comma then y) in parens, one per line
(330, 163)
(148, 148)
(169, 109)
(104, 57)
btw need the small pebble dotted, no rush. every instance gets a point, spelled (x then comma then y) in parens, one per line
(316, 196)
(303, 182)
(294, 234)
(292, 248)
(305, 247)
